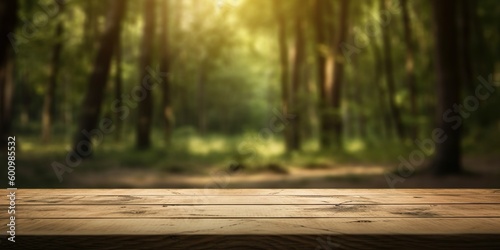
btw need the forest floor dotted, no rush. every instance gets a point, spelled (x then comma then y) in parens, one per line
(485, 174)
(200, 163)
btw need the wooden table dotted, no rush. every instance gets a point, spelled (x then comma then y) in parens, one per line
(254, 219)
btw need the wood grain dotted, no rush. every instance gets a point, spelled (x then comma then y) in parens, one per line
(258, 226)
(257, 211)
(400, 199)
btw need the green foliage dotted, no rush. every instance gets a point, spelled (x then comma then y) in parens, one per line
(233, 52)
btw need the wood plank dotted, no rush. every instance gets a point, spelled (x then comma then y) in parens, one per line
(256, 218)
(251, 192)
(23, 199)
(256, 211)
(280, 226)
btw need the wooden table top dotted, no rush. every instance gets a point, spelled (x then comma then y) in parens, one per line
(321, 215)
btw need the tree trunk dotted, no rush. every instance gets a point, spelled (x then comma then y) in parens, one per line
(118, 88)
(284, 70)
(321, 55)
(145, 109)
(8, 20)
(390, 76)
(48, 102)
(27, 96)
(8, 16)
(296, 80)
(68, 108)
(165, 68)
(88, 25)
(338, 73)
(7, 88)
(386, 127)
(410, 68)
(202, 116)
(92, 101)
(360, 97)
(324, 60)
(464, 22)
(483, 62)
(447, 158)
(308, 124)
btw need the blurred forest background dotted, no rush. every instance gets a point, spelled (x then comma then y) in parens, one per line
(251, 93)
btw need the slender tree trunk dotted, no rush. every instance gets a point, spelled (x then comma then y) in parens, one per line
(184, 107)
(349, 118)
(118, 88)
(177, 75)
(284, 71)
(4, 126)
(410, 68)
(92, 29)
(88, 25)
(8, 16)
(296, 80)
(447, 158)
(145, 108)
(48, 103)
(202, 116)
(176, 19)
(323, 54)
(8, 20)
(308, 124)
(360, 98)
(92, 101)
(483, 62)
(68, 108)
(338, 73)
(7, 88)
(464, 22)
(27, 96)
(382, 95)
(390, 77)
(168, 114)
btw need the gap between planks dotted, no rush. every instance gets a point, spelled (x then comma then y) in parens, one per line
(241, 200)
(252, 192)
(263, 226)
(257, 211)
